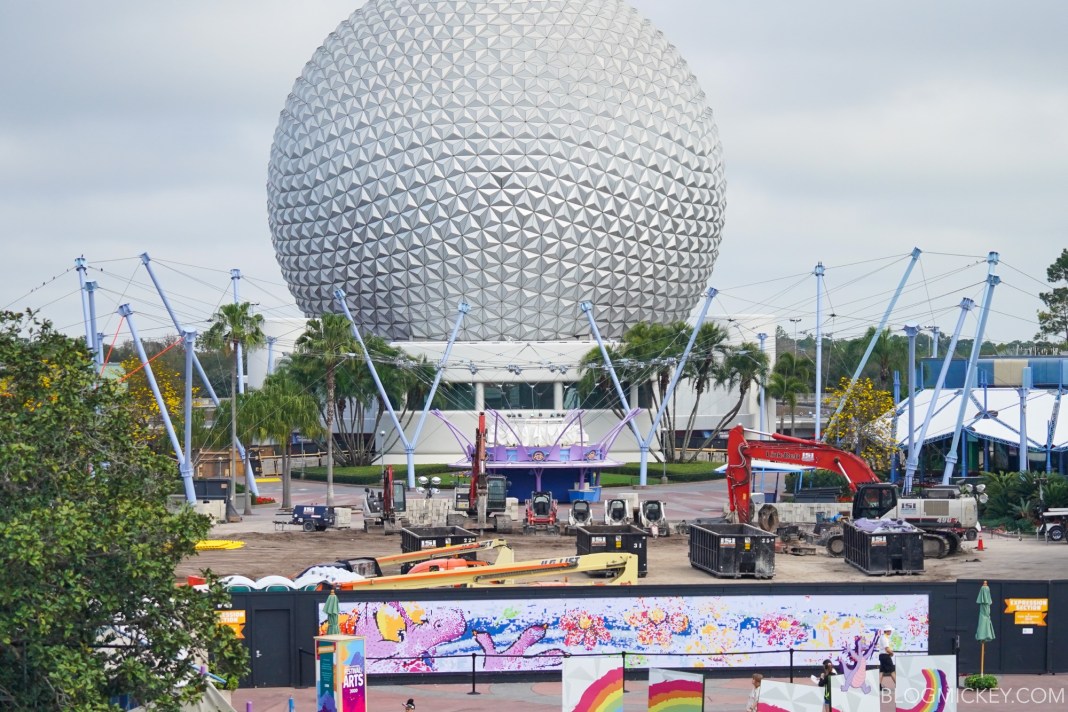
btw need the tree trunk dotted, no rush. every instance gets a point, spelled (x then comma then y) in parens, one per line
(719, 426)
(330, 436)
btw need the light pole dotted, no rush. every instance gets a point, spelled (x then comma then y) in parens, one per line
(794, 321)
(911, 330)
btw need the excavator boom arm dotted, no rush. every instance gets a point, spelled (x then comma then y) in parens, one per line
(787, 450)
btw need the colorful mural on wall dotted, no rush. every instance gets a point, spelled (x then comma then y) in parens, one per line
(660, 631)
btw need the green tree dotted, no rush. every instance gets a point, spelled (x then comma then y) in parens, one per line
(1053, 321)
(326, 341)
(785, 389)
(88, 609)
(709, 349)
(275, 411)
(649, 355)
(233, 325)
(745, 366)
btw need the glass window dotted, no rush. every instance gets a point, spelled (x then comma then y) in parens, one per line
(455, 396)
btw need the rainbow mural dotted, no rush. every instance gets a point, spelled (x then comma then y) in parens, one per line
(592, 685)
(926, 684)
(671, 691)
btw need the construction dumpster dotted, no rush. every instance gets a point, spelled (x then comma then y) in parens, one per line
(879, 547)
(609, 538)
(420, 538)
(732, 550)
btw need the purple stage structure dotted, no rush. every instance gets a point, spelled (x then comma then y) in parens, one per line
(543, 454)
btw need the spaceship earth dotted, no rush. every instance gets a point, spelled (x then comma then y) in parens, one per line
(522, 156)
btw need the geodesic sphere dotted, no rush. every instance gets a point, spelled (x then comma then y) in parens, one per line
(523, 157)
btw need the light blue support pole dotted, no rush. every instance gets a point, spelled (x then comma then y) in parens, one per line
(914, 456)
(679, 368)
(183, 464)
(819, 346)
(79, 264)
(763, 413)
(95, 347)
(1024, 391)
(271, 340)
(190, 339)
(409, 447)
(992, 281)
(250, 478)
(916, 252)
(897, 451)
(911, 331)
(339, 296)
(624, 403)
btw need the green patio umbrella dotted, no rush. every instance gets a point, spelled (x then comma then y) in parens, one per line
(333, 611)
(985, 630)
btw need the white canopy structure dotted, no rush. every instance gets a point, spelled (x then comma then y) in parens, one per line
(992, 414)
(768, 466)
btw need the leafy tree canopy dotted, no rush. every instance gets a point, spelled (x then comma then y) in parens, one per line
(88, 609)
(1053, 320)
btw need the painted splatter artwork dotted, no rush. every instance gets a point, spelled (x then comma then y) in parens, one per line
(655, 631)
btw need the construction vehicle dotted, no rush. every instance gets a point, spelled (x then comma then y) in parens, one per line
(383, 510)
(945, 514)
(541, 514)
(648, 514)
(624, 566)
(373, 567)
(617, 511)
(318, 517)
(580, 515)
(1054, 523)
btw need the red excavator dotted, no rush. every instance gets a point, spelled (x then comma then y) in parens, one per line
(945, 514)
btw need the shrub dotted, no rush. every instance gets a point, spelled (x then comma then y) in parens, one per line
(980, 682)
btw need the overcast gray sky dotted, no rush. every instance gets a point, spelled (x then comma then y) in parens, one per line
(852, 132)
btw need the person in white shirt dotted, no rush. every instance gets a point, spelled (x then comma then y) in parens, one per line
(754, 696)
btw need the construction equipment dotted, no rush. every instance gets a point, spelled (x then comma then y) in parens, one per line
(372, 567)
(318, 517)
(541, 513)
(652, 517)
(946, 514)
(1055, 523)
(580, 515)
(383, 510)
(617, 511)
(624, 566)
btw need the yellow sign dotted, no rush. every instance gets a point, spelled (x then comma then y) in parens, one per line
(1028, 611)
(234, 619)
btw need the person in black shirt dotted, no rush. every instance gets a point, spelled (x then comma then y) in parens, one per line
(825, 682)
(887, 669)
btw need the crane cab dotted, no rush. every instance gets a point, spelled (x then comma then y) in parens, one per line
(875, 501)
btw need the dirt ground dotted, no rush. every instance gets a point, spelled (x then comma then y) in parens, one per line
(288, 553)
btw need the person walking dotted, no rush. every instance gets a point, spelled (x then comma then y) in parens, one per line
(825, 682)
(887, 669)
(754, 696)
(409, 706)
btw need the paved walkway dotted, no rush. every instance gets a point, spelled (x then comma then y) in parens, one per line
(1034, 693)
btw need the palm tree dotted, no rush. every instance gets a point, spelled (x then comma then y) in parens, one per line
(745, 366)
(709, 349)
(278, 409)
(785, 389)
(326, 341)
(233, 325)
(649, 354)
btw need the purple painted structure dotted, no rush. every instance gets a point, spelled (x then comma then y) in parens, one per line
(538, 467)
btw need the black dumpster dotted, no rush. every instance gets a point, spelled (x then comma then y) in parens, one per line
(209, 488)
(880, 550)
(421, 538)
(609, 538)
(732, 550)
